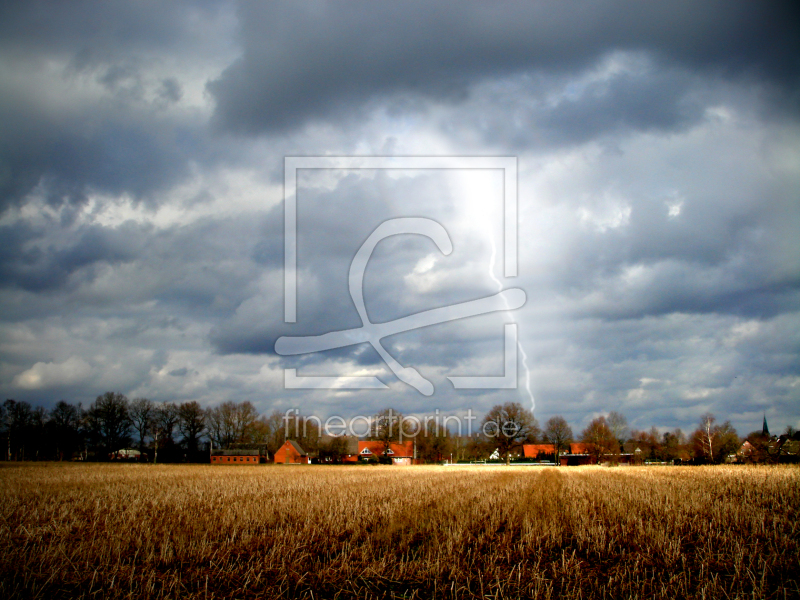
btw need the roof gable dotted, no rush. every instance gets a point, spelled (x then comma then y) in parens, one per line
(578, 448)
(534, 450)
(296, 447)
(396, 449)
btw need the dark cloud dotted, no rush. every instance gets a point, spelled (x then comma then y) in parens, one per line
(309, 62)
(30, 263)
(101, 150)
(93, 29)
(121, 142)
(142, 235)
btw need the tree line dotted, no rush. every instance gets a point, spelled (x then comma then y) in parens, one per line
(170, 432)
(159, 431)
(508, 427)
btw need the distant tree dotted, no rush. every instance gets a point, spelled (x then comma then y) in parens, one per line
(714, 443)
(654, 439)
(108, 423)
(164, 422)
(558, 432)
(727, 441)
(332, 448)
(386, 427)
(507, 426)
(672, 445)
(433, 443)
(244, 417)
(618, 425)
(702, 439)
(272, 430)
(64, 429)
(6, 440)
(37, 435)
(600, 440)
(304, 430)
(142, 413)
(231, 423)
(475, 448)
(18, 419)
(191, 424)
(643, 444)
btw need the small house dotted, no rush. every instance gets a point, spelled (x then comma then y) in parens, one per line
(397, 453)
(539, 451)
(291, 453)
(238, 457)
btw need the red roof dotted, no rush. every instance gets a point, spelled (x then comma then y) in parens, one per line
(396, 450)
(578, 448)
(534, 450)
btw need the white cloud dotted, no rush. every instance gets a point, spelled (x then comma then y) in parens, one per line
(43, 375)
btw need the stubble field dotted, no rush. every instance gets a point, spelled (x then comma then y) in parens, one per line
(144, 531)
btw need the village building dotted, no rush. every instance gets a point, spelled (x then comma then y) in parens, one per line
(578, 455)
(398, 453)
(126, 454)
(539, 452)
(291, 453)
(238, 456)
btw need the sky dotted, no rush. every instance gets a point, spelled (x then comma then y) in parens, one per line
(657, 145)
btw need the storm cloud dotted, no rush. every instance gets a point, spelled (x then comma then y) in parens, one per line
(142, 202)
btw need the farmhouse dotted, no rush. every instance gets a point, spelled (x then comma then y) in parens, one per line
(127, 454)
(291, 453)
(578, 455)
(539, 451)
(399, 453)
(237, 457)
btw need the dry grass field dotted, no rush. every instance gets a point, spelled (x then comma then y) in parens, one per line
(144, 531)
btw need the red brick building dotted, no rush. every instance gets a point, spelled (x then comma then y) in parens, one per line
(291, 453)
(237, 457)
(578, 455)
(539, 451)
(400, 453)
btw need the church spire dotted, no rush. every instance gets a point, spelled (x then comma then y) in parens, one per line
(765, 429)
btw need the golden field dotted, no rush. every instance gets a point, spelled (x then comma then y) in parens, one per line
(197, 531)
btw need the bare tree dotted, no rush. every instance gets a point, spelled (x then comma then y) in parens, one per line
(141, 413)
(600, 440)
(508, 426)
(618, 425)
(191, 424)
(64, 429)
(231, 423)
(244, 416)
(558, 432)
(108, 422)
(272, 430)
(713, 443)
(386, 427)
(165, 419)
(703, 438)
(17, 424)
(434, 443)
